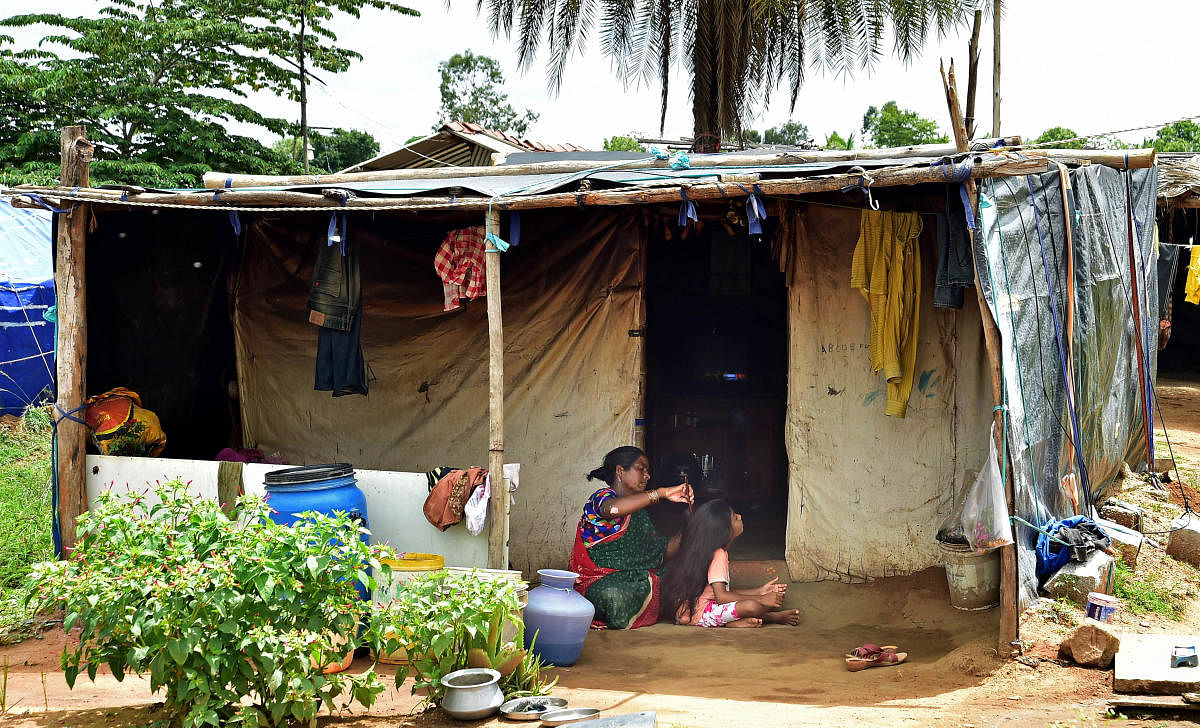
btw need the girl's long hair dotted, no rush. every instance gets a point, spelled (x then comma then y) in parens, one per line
(709, 529)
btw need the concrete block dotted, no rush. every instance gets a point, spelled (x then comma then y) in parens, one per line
(1091, 644)
(1126, 541)
(1185, 539)
(1143, 665)
(1075, 580)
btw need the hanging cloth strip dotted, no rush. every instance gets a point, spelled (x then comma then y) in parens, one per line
(1058, 337)
(1139, 341)
(1064, 185)
(687, 209)
(756, 212)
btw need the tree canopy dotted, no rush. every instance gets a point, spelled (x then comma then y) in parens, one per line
(1059, 134)
(892, 126)
(473, 91)
(735, 53)
(332, 152)
(628, 143)
(1180, 136)
(837, 141)
(158, 82)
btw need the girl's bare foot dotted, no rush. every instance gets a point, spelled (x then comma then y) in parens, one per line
(745, 622)
(785, 616)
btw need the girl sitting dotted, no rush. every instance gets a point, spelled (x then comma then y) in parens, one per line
(695, 589)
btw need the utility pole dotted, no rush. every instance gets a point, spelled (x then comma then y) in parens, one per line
(304, 88)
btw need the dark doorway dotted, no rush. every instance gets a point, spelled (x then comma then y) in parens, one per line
(716, 353)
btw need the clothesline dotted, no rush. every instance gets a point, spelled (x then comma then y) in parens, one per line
(1178, 245)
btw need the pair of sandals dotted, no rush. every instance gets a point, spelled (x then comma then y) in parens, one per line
(869, 655)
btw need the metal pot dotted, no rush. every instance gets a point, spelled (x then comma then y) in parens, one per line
(472, 693)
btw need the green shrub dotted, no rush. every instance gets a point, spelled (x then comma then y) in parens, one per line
(230, 616)
(449, 622)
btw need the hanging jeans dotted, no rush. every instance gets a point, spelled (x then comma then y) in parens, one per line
(341, 367)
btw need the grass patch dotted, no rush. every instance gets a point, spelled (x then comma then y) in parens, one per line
(1141, 594)
(25, 518)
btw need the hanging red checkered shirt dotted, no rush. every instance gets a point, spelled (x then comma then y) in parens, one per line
(459, 263)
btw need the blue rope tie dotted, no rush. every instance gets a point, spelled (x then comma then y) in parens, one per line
(38, 199)
(68, 415)
(497, 242)
(756, 212)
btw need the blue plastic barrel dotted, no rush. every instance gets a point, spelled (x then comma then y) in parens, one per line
(322, 488)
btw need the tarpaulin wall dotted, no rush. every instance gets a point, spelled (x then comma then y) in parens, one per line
(1022, 256)
(571, 294)
(868, 492)
(26, 295)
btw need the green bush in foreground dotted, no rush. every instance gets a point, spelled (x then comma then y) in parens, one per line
(230, 616)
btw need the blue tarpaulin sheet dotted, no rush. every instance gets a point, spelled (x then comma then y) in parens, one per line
(26, 297)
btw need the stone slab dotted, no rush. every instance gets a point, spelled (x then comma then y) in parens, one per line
(1156, 702)
(1143, 665)
(645, 719)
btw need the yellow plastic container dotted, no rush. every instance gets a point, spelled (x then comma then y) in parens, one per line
(403, 569)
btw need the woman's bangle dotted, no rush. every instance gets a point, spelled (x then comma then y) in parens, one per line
(654, 495)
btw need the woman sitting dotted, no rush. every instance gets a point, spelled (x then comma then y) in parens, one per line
(617, 549)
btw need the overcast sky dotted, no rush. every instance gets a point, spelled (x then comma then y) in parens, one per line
(1094, 67)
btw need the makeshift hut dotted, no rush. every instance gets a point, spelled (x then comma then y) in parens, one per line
(701, 305)
(1179, 231)
(26, 309)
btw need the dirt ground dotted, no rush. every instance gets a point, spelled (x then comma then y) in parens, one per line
(775, 676)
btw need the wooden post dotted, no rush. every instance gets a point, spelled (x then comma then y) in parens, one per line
(991, 338)
(71, 349)
(498, 506)
(973, 72)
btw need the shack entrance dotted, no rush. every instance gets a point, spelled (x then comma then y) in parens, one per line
(716, 352)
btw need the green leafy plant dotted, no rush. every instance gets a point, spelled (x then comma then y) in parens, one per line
(448, 622)
(234, 618)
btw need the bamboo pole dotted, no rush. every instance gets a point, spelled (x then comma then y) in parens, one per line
(71, 350)
(992, 166)
(996, 13)
(498, 506)
(991, 338)
(1118, 158)
(221, 180)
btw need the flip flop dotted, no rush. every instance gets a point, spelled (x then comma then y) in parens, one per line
(880, 659)
(869, 649)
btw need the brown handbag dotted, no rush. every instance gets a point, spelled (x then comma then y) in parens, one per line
(444, 506)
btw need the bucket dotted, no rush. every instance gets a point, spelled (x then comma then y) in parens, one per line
(403, 570)
(1101, 607)
(973, 577)
(321, 488)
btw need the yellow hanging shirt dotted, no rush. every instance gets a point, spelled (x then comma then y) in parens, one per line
(887, 269)
(1191, 289)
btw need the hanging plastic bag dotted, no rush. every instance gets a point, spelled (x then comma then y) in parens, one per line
(985, 510)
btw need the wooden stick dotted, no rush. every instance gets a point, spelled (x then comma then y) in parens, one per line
(498, 506)
(888, 177)
(71, 352)
(991, 339)
(216, 180)
(1119, 158)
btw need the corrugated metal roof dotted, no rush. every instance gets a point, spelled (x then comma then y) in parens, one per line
(457, 144)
